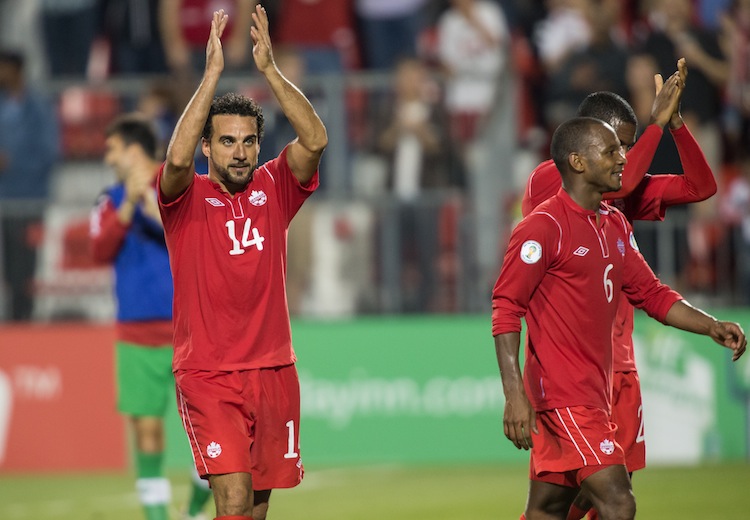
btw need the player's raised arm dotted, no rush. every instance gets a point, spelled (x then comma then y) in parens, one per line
(304, 152)
(179, 168)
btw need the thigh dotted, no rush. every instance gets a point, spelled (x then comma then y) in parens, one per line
(627, 414)
(275, 450)
(144, 379)
(218, 419)
(610, 491)
(548, 500)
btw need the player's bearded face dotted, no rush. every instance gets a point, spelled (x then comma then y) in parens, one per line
(233, 151)
(236, 173)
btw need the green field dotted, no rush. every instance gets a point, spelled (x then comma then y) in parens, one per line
(397, 493)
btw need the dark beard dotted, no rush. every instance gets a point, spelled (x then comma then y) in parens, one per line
(231, 182)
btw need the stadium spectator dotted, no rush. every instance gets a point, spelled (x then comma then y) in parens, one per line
(598, 65)
(126, 232)
(184, 34)
(237, 384)
(322, 31)
(643, 197)
(473, 42)
(735, 211)
(410, 133)
(131, 27)
(561, 32)
(29, 150)
(69, 28)
(575, 249)
(390, 30)
(735, 23)
(673, 34)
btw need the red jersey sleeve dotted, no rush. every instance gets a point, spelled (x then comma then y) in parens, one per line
(533, 248)
(106, 231)
(543, 183)
(698, 182)
(174, 207)
(641, 286)
(656, 193)
(639, 159)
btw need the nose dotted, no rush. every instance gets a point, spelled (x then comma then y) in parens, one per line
(622, 159)
(239, 151)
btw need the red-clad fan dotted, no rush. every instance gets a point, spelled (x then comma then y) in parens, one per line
(566, 266)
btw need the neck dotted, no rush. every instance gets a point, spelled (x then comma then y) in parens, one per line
(586, 199)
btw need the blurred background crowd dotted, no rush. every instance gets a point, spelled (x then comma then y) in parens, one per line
(437, 111)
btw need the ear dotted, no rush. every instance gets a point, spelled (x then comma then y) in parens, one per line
(205, 147)
(575, 161)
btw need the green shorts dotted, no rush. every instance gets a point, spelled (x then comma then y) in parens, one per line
(145, 383)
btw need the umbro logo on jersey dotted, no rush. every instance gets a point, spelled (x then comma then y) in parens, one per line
(258, 198)
(581, 251)
(214, 202)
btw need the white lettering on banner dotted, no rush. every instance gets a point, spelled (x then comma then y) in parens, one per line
(42, 383)
(6, 408)
(340, 401)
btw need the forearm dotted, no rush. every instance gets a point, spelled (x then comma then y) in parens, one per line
(684, 316)
(700, 183)
(507, 347)
(299, 111)
(189, 128)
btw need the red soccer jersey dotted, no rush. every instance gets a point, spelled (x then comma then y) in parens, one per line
(228, 259)
(649, 200)
(565, 273)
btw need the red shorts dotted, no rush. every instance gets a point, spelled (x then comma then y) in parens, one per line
(245, 421)
(627, 414)
(572, 444)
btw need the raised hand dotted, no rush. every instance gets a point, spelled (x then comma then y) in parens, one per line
(667, 98)
(214, 52)
(262, 50)
(675, 121)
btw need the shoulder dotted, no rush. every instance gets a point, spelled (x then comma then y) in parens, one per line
(543, 183)
(547, 219)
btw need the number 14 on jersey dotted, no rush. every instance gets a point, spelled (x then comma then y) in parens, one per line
(247, 241)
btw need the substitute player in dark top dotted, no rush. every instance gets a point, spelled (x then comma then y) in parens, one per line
(566, 266)
(646, 199)
(237, 385)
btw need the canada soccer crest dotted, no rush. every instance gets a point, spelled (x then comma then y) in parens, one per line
(607, 447)
(258, 198)
(213, 450)
(621, 246)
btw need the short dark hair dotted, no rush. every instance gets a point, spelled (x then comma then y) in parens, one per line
(136, 129)
(574, 135)
(607, 106)
(233, 104)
